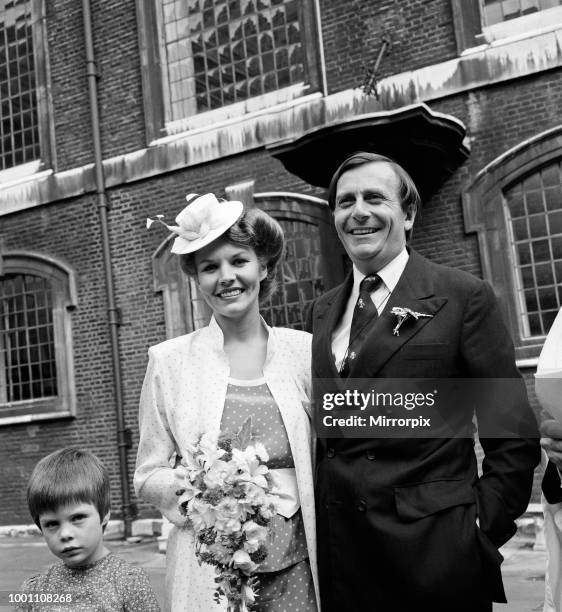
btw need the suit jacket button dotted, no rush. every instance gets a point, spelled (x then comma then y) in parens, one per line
(370, 455)
(362, 505)
(330, 452)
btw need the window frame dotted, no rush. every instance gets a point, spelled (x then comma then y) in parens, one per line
(471, 32)
(153, 67)
(47, 156)
(484, 214)
(64, 300)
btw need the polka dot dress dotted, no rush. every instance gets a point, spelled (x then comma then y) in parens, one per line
(285, 577)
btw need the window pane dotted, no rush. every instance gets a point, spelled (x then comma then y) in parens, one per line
(537, 244)
(537, 226)
(19, 132)
(260, 50)
(524, 252)
(541, 251)
(534, 200)
(27, 352)
(545, 274)
(555, 222)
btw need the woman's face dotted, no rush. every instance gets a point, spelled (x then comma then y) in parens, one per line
(229, 278)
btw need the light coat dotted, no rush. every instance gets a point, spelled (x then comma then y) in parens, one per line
(183, 395)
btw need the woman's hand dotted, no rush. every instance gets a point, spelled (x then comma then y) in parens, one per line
(551, 441)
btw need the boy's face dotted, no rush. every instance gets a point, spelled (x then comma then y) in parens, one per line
(74, 533)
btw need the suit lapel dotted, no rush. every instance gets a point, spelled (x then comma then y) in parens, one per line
(415, 291)
(328, 315)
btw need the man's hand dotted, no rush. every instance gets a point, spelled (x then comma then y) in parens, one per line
(551, 441)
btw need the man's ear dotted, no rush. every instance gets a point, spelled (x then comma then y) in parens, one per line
(410, 217)
(105, 519)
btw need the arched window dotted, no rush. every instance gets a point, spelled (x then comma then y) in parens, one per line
(533, 208)
(515, 207)
(313, 263)
(36, 374)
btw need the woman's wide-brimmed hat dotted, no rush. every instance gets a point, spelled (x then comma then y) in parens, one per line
(203, 220)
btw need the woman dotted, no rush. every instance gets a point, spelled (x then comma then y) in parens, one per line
(211, 380)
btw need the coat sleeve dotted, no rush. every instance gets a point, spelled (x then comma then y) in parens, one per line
(551, 484)
(155, 480)
(507, 427)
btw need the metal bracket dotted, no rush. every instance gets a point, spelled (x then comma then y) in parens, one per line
(126, 438)
(115, 317)
(370, 85)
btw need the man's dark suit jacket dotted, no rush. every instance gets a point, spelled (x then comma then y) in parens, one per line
(397, 517)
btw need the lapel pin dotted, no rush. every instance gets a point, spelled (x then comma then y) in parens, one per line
(402, 314)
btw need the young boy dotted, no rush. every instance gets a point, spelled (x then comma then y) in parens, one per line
(68, 498)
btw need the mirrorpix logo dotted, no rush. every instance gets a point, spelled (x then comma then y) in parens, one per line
(366, 401)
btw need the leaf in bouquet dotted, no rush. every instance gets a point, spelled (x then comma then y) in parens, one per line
(207, 536)
(213, 496)
(260, 555)
(243, 436)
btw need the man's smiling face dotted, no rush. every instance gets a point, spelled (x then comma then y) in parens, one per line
(368, 215)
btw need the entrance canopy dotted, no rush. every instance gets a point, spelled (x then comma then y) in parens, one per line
(429, 145)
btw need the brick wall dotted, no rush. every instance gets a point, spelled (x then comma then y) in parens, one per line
(420, 31)
(120, 90)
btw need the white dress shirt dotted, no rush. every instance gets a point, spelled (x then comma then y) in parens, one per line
(390, 275)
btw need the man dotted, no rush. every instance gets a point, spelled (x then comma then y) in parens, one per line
(407, 524)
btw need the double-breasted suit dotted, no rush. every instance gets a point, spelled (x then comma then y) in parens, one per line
(397, 518)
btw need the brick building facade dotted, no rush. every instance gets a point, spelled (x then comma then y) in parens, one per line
(199, 95)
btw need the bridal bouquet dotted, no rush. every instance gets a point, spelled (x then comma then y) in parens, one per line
(227, 501)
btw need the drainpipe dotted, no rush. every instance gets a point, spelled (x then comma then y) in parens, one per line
(123, 434)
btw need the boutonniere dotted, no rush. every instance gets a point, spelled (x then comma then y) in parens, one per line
(402, 314)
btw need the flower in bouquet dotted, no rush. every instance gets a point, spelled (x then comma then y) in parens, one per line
(220, 472)
(230, 514)
(255, 534)
(227, 501)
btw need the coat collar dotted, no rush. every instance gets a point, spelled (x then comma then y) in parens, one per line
(214, 338)
(329, 311)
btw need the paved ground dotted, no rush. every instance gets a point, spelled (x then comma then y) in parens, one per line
(20, 557)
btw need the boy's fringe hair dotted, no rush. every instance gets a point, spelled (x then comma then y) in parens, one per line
(68, 476)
